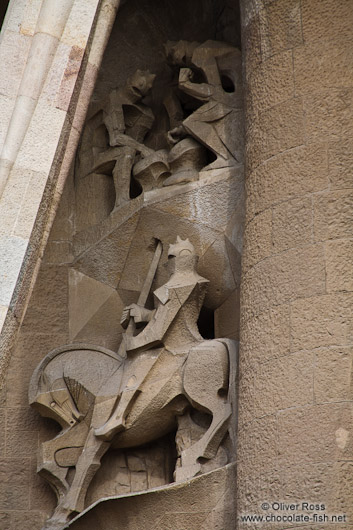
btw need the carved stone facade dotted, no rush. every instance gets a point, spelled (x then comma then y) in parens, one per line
(125, 128)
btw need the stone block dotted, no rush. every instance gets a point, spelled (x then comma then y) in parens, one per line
(252, 46)
(6, 108)
(258, 444)
(5, 521)
(328, 114)
(322, 65)
(13, 55)
(311, 482)
(284, 277)
(333, 215)
(291, 174)
(271, 83)
(56, 73)
(41, 497)
(30, 205)
(3, 313)
(27, 520)
(78, 27)
(321, 321)
(257, 240)
(79, 107)
(339, 266)
(267, 335)
(246, 406)
(20, 443)
(12, 252)
(15, 497)
(320, 433)
(15, 470)
(274, 131)
(319, 23)
(340, 162)
(333, 374)
(281, 27)
(42, 138)
(69, 78)
(283, 383)
(256, 487)
(292, 224)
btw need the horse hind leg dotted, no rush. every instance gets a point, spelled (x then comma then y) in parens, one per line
(205, 380)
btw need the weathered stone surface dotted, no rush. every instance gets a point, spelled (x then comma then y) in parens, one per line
(331, 438)
(332, 374)
(285, 277)
(318, 22)
(12, 252)
(321, 65)
(292, 224)
(333, 217)
(339, 267)
(328, 114)
(271, 84)
(291, 174)
(257, 248)
(277, 130)
(267, 335)
(274, 390)
(321, 321)
(340, 160)
(281, 27)
(13, 55)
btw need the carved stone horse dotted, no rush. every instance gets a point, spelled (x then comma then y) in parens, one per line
(62, 388)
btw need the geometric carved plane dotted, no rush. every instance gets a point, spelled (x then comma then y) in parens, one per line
(93, 310)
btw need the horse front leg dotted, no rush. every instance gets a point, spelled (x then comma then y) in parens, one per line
(49, 470)
(86, 467)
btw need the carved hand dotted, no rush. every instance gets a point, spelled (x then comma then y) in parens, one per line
(137, 312)
(185, 75)
(176, 134)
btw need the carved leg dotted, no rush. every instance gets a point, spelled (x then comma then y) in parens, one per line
(86, 467)
(205, 377)
(208, 136)
(122, 175)
(206, 447)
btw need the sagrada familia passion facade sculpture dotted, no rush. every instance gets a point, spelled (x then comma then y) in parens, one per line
(176, 247)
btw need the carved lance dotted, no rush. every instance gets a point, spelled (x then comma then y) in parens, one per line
(130, 329)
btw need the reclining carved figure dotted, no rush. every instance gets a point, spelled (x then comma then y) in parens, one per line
(104, 399)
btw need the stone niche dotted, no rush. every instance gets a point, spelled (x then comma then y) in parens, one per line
(119, 200)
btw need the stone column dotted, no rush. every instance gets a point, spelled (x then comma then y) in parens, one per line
(295, 396)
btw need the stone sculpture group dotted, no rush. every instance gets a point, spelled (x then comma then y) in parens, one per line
(165, 372)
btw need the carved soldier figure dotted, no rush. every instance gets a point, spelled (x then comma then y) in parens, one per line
(217, 124)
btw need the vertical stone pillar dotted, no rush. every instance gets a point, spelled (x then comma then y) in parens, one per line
(295, 397)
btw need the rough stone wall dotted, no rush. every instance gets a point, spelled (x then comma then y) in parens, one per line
(295, 417)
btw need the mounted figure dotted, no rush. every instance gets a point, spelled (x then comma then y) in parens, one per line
(159, 376)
